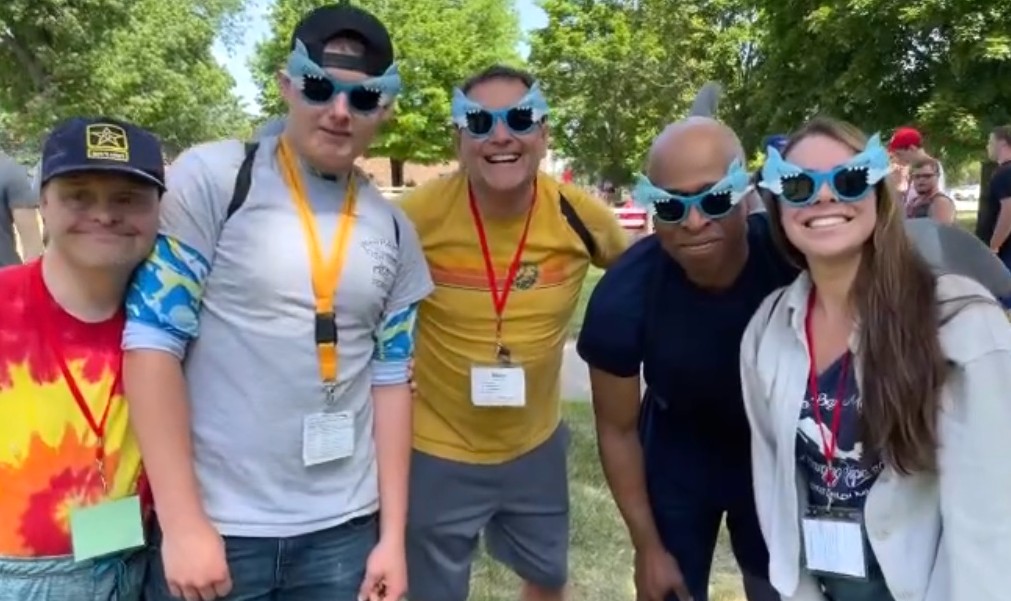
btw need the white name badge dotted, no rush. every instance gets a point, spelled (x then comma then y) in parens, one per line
(834, 546)
(498, 386)
(327, 437)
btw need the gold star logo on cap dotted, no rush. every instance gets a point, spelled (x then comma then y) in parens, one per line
(107, 142)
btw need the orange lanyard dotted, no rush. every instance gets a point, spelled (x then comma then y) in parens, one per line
(326, 275)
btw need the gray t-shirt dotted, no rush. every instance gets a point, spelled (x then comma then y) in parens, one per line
(252, 369)
(15, 193)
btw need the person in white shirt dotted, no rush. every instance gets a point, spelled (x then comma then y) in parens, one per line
(876, 394)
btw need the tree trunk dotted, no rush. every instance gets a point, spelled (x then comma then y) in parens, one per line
(396, 172)
(35, 71)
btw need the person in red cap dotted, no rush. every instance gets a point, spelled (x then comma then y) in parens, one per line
(906, 146)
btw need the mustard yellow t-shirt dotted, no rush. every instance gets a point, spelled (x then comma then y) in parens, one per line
(456, 323)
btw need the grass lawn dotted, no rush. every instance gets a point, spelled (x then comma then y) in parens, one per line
(600, 560)
(592, 277)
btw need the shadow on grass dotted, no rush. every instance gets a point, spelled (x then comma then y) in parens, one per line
(600, 559)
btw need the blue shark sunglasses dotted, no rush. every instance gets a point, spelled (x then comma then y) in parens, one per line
(361, 99)
(715, 202)
(317, 86)
(518, 120)
(849, 182)
(479, 122)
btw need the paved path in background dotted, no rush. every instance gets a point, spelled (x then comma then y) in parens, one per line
(575, 375)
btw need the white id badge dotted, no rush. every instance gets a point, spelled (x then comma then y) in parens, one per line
(834, 544)
(498, 386)
(327, 437)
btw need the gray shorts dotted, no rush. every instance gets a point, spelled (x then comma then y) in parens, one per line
(521, 505)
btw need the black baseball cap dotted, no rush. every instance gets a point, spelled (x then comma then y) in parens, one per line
(325, 23)
(101, 144)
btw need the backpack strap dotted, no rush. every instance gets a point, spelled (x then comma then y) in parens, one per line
(576, 223)
(243, 180)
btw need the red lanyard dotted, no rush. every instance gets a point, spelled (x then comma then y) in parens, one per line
(828, 447)
(499, 298)
(57, 346)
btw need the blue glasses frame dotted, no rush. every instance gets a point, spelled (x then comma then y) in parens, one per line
(823, 178)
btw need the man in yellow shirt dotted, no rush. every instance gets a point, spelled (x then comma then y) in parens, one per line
(508, 247)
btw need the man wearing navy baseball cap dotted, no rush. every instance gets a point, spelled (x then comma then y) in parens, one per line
(270, 447)
(70, 445)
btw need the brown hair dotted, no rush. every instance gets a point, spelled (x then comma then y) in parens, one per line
(931, 162)
(896, 301)
(1002, 133)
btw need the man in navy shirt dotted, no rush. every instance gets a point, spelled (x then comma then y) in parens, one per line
(677, 304)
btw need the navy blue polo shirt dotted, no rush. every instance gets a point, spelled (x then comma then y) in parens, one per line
(645, 313)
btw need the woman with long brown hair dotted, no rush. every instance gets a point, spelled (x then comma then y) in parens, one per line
(877, 393)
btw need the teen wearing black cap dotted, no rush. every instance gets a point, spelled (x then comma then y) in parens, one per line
(71, 516)
(272, 447)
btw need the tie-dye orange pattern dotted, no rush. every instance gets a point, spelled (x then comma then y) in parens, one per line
(47, 450)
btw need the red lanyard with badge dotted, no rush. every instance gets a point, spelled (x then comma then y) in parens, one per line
(58, 347)
(327, 435)
(502, 384)
(833, 538)
(108, 526)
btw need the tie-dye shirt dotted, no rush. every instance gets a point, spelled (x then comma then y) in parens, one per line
(47, 450)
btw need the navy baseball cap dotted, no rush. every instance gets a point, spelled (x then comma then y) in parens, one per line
(323, 24)
(777, 141)
(81, 144)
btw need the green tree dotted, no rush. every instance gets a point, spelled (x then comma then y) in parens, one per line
(438, 44)
(144, 60)
(942, 65)
(616, 72)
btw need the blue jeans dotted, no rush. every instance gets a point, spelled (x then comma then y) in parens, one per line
(320, 566)
(118, 578)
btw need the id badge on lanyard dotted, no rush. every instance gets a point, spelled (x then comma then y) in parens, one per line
(111, 525)
(501, 383)
(327, 435)
(833, 537)
(834, 543)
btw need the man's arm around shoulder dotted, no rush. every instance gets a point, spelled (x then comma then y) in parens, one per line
(392, 400)
(163, 306)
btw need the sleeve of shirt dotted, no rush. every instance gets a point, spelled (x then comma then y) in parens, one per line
(163, 302)
(612, 334)
(394, 346)
(18, 188)
(973, 451)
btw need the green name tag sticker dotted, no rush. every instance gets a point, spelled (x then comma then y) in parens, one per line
(107, 528)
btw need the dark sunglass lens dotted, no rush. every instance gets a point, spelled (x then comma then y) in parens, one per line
(797, 188)
(717, 205)
(520, 120)
(317, 89)
(479, 123)
(670, 210)
(363, 100)
(851, 184)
